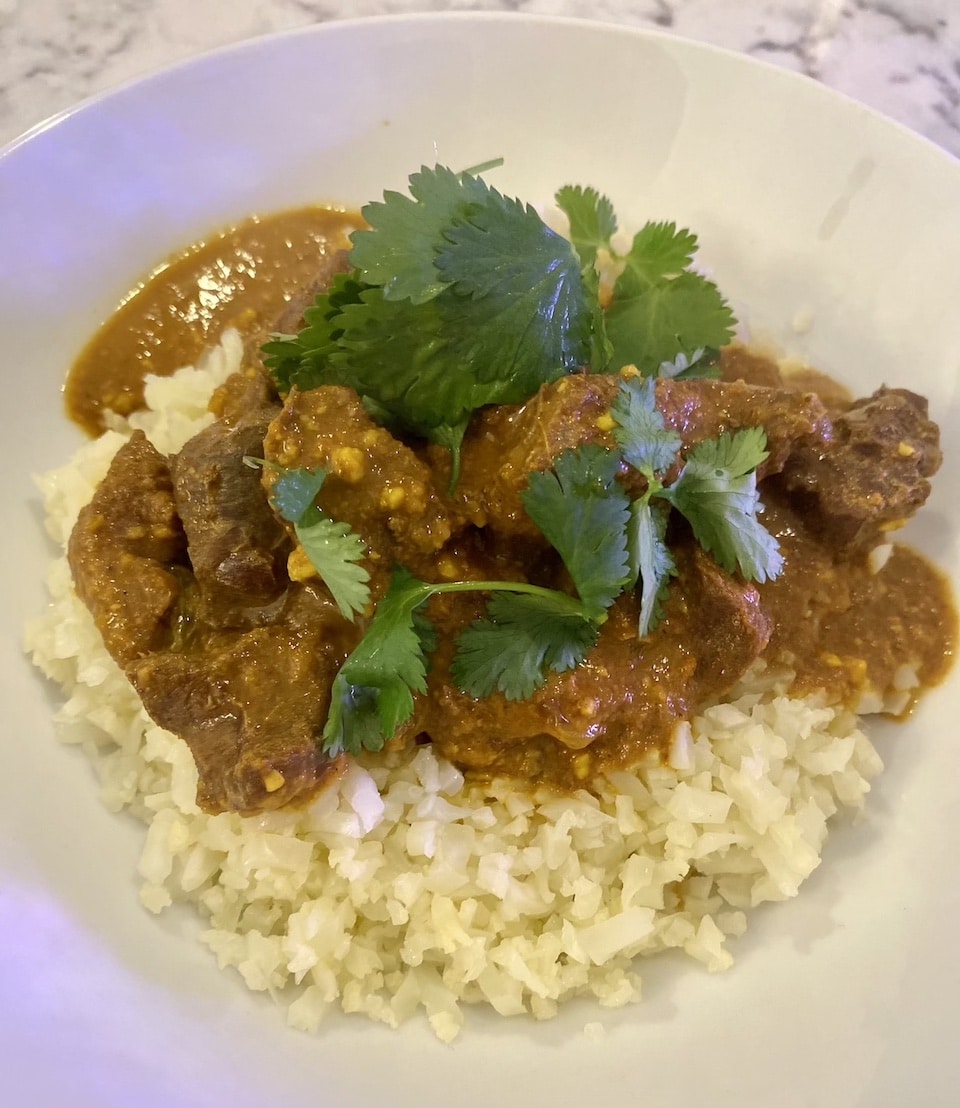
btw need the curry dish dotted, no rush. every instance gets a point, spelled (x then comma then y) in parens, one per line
(205, 599)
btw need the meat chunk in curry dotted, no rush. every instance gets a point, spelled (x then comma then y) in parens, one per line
(207, 665)
(375, 483)
(507, 443)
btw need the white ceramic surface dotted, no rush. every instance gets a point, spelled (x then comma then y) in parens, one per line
(901, 57)
(807, 206)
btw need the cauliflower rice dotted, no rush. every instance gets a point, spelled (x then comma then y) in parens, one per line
(401, 886)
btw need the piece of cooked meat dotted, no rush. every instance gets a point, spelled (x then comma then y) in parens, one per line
(249, 703)
(699, 410)
(873, 474)
(238, 548)
(251, 706)
(375, 483)
(505, 444)
(123, 551)
(627, 694)
(732, 627)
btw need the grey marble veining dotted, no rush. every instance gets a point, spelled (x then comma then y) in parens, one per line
(899, 56)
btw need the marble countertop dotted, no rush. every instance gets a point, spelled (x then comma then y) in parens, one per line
(901, 57)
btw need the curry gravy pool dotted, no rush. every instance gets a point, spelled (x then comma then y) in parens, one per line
(243, 276)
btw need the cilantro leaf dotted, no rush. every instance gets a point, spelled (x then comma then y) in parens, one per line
(659, 252)
(515, 318)
(295, 490)
(717, 493)
(655, 562)
(675, 316)
(525, 290)
(372, 694)
(640, 432)
(461, 298)
(397, 252)
(592, 225)
(583, 512)
(333, 549)
(521, 638)
(353, 723)
(301, 359)
(739, 453)
(396, 355)
(663, 314)
(593, 222)
(335, 552)
(430, 366)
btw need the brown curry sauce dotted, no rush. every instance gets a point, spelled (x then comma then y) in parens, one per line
(240, 277)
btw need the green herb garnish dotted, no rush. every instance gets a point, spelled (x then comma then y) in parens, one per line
(460, 297)
(373, 691)
(372, 694)
(333, 549)
(522, 638)
(583, 512)
(716, 491)
(655, 564)
(661, 310)
(528, 630)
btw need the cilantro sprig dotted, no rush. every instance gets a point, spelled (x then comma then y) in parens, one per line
(527, 631)
(582, 510)
(460, 297)
(372, 694)
(663, 317)
(522, 638)
(715, 491)
(334, 550)
(654, 562)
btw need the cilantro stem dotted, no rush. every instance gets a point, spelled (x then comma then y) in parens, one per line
(572, 605)
(476, 170)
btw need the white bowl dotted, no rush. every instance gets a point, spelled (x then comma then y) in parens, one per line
(809, 208)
